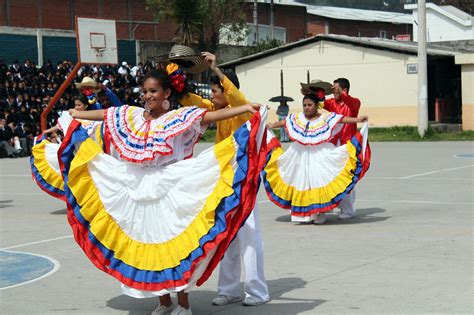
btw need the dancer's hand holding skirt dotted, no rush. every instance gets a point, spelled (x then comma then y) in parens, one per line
(44, 157)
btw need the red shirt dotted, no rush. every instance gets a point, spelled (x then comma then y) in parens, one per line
(347, 106)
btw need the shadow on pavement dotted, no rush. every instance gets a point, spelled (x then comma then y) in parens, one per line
(62, 211)
(5, 204)
(363, 216)
(201, 301)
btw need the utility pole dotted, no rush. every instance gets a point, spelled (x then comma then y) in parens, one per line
(422, 70)
(272, 26)
(281, 83)
(255, 21)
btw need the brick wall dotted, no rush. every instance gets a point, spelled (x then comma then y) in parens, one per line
(86, 8)
(293, 18)
(358, 28)
(3, 12)
(316, 27)
(58, 14)
(23, 13)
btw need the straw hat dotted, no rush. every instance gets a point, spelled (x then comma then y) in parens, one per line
(88, 82)
(281, 98)
(186, 58)
(326, 86)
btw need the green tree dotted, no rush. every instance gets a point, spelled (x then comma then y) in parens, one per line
(186, 14)
(218, 13)
(200, 21)
(262, 46)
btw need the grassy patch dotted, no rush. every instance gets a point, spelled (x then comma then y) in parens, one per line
(209, 135)
(399, 133)
(409, 133)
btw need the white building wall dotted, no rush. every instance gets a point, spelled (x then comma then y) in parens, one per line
(442, 25)
(378, 78)
(467, 80)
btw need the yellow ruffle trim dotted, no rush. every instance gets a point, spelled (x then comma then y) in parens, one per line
(44, 169)
(318, 195)
(137, 254)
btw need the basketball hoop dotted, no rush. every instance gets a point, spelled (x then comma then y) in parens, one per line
(96, 41)
(99, 52)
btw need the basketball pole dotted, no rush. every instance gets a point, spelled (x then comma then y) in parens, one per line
(422, 71)
(62, 88)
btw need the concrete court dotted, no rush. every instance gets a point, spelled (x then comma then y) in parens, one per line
(410, 249)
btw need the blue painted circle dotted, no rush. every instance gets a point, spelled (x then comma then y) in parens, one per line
(22, 267)
(467, 155)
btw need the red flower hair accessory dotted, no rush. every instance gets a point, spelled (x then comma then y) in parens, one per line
(177, 76)
(320, 94)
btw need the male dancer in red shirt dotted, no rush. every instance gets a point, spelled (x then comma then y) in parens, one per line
(344, 104)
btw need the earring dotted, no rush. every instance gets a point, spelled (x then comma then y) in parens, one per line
(166, 104)
(147, 109)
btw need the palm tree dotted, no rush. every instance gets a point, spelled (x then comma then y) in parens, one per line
(187, 14)
(199, 21)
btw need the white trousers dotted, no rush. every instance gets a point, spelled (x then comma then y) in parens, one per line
(247, 246)
(347, 204)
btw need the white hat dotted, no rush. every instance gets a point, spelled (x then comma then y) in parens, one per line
(136, 90)
(88, 82)
(124, 63)
(106, 82)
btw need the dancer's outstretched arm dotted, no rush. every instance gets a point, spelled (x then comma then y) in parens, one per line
(352, 120)
(51, 130)
(97, 114)
(276, 124)
(229, 112)
(208, 118)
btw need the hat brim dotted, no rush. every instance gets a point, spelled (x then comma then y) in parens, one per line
(281, 99)
(326, 86)
(190, 64)
(92, 85)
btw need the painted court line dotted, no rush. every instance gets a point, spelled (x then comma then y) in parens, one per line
(38, 242)
(268, 201)
(425, 179)
(417, 201)
(22, 193)
(55, 268)
(438, 171)
(464, 156)
(14, 175)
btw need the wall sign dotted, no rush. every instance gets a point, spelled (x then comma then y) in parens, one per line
(412, 68)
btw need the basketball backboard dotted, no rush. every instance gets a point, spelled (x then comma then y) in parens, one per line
(96, 41)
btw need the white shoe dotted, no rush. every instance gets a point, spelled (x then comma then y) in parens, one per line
(320, 218)
(345, 216)
(162, 310)
(17, 145)
(224, 300)
(179, 310)
(251, 301)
